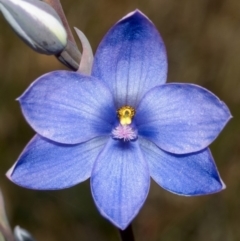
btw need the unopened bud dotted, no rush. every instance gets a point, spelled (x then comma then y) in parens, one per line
(36, 23)
(21, 234)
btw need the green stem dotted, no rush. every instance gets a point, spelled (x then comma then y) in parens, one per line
(127, 234)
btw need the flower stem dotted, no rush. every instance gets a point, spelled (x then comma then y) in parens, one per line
(71, 55)
(6, 232)
(127, 234)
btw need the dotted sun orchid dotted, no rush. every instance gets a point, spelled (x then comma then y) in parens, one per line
(120, 126)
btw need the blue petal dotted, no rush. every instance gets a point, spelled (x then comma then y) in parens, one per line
(181, 118)
(131, 59)
(68, 108)
(189, 174)
(120, 182)
(47, 165)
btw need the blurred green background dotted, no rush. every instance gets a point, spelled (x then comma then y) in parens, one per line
(202, 38)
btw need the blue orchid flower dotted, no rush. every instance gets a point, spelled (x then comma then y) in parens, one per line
(120, 126)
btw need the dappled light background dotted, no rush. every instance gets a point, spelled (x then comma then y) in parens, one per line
(202, 38)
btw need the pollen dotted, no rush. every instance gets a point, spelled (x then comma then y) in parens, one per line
(125, 132)
(125, 114)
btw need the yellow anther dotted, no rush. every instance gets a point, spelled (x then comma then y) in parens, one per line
(125, 114)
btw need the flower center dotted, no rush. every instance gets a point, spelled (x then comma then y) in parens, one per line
(124, 130)
(125, 114)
